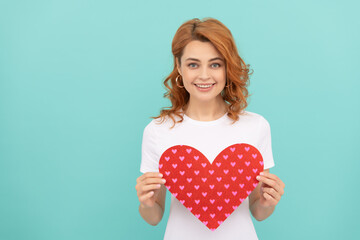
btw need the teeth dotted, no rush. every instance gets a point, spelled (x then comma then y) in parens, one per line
(204, 86)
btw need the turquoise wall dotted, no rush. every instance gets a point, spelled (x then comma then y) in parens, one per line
(80, 79)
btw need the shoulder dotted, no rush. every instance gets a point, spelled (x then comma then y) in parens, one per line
(262, 124)
(156, 124)
(254, 117)
(164, 123)
(258, 121)
(150, 126)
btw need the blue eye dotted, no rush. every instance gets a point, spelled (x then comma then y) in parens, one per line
(192, 65)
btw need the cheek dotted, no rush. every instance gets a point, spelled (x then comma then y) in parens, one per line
(220, 76)
(188, 76)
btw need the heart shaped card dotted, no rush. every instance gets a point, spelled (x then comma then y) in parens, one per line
(211, 191)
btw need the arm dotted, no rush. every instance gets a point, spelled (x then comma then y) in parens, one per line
(151, 192)
(262, 202)
(154, 214)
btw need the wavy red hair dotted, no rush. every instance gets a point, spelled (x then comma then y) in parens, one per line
(237, 72)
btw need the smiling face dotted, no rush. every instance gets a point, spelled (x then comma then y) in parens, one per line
(202, 65)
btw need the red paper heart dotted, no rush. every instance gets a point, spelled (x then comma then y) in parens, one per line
(211, 192)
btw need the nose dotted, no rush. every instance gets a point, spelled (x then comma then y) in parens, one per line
(204, 73)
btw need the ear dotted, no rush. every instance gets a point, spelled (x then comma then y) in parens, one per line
(178, 66)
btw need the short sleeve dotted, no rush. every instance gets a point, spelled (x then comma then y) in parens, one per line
(265, 143)
(149, 156)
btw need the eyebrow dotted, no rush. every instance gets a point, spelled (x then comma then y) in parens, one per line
(197, 60)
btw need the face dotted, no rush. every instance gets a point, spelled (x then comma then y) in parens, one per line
(202, 71)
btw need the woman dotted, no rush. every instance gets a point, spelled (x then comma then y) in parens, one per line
(208, 95)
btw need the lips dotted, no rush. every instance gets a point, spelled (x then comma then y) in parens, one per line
(204, 84)
(205, 88)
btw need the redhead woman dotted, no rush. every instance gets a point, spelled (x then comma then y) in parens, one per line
(208, 92)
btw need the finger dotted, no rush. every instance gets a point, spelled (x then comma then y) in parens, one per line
(272, 183)
(143, 189)
(149, 184)
(149, 174)
(274, 177)
(154, 180)
(266, 196)
(270, 175)
(272, 192)
(269, 198)
(277, 179)
(282, 184)
(150, 187)
(146, 196)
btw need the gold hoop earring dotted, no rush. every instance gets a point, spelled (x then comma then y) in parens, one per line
(228, 85)
(176, 80)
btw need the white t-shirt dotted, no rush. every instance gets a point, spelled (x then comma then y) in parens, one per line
(210, 138)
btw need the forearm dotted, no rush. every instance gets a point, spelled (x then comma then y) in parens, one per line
(260, 212)
(151, 215)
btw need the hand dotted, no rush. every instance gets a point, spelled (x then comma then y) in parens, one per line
(148, 187)
(271, 189)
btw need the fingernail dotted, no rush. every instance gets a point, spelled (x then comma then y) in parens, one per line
(160, 175)
(261, 173)
(163, 180)
(258, 177)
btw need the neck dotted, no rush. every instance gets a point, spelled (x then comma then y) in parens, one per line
(206, 110)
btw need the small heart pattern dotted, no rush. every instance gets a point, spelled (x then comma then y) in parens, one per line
(211, 192)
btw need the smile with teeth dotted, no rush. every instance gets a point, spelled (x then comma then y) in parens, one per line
(204, 86)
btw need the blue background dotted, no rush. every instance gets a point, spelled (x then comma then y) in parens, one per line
(79, 81)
